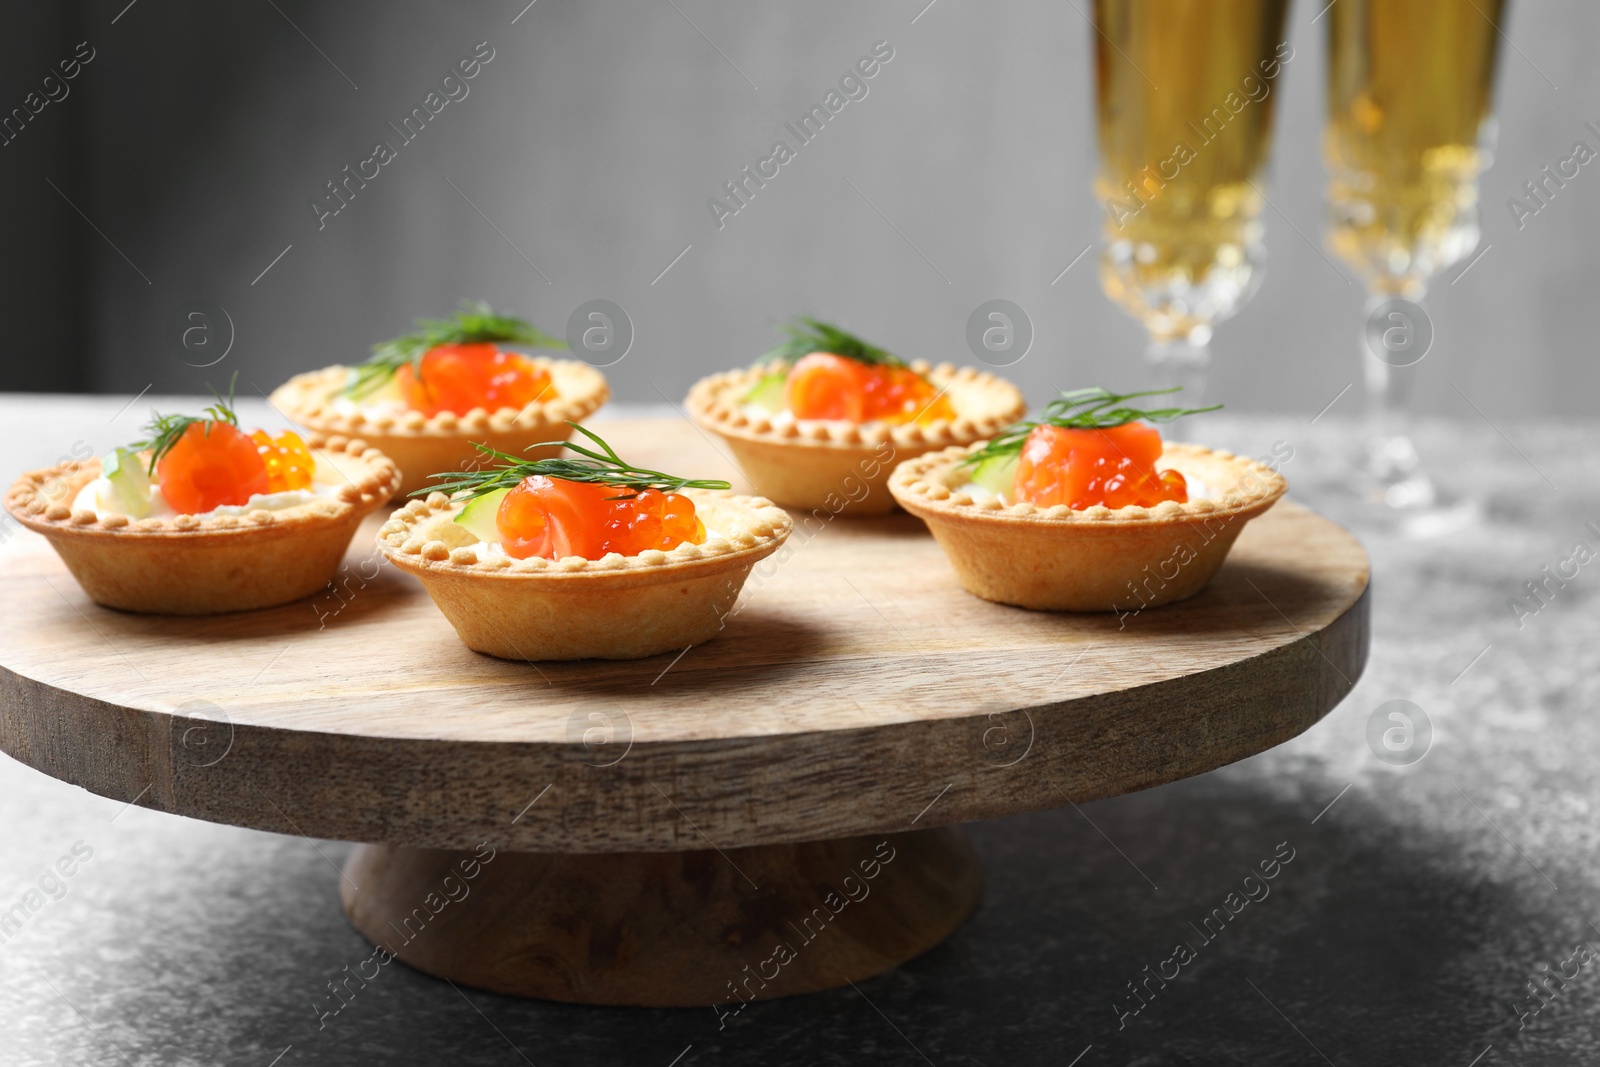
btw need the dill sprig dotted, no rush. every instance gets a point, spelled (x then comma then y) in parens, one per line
(807, 335)
(1081, 409)
(604, 467)
(162, 432)
(475, 322)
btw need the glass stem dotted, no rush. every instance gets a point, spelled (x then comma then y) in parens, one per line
(1391, 456)
(1183, 364)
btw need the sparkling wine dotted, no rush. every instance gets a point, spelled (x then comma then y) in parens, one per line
(1185, 94)
(1409, 128)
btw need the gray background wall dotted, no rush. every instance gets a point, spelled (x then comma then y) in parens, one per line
(196, 137)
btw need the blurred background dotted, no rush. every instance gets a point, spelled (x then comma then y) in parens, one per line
(184, 159)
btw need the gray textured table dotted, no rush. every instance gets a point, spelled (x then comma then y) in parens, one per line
(1419, 902)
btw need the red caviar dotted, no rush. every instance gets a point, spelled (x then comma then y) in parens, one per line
(825, 386)
(1081, 468)
(212, 464)
(554, 518)
(288, 460)
(458, 378)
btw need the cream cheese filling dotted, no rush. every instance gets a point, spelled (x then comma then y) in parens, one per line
(100, 497)
(387, 399)
(495, 548)
(368, 406)
(777, 418)
(1197, 489)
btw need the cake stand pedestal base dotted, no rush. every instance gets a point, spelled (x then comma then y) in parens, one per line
(665, 929)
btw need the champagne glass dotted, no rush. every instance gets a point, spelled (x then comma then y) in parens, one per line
(1409, 129)
(1184, 93)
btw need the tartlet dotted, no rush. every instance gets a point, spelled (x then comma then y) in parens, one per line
(615, 607)
(581, 558)
(842, 464)
(422, 445)
(205, 564)
(1094, 558)
(422, 442)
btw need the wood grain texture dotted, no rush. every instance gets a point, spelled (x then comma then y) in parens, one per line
(675, 929)
(856, 689)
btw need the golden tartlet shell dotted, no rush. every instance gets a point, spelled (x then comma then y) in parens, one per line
(805, 463)
(1094, 559)
(421, 445)
(616, 607)
(205, 565)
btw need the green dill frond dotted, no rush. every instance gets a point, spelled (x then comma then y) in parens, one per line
(475, 322)
(603, 467)
(162, 432)
(807, 335)
(1081, 409)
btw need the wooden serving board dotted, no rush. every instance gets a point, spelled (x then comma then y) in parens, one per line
(857, 689)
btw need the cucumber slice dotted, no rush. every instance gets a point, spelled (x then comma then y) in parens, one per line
(479, 515)
(387, 391)
(769, 392)
(127, 489)
(998, 474)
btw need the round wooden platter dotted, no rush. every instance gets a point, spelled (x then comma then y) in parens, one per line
(856, 699)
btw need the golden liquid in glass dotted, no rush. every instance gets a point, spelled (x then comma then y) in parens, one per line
(1184, 93)
(1410, 87)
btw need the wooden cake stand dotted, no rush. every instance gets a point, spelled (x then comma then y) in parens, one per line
(762, 815)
